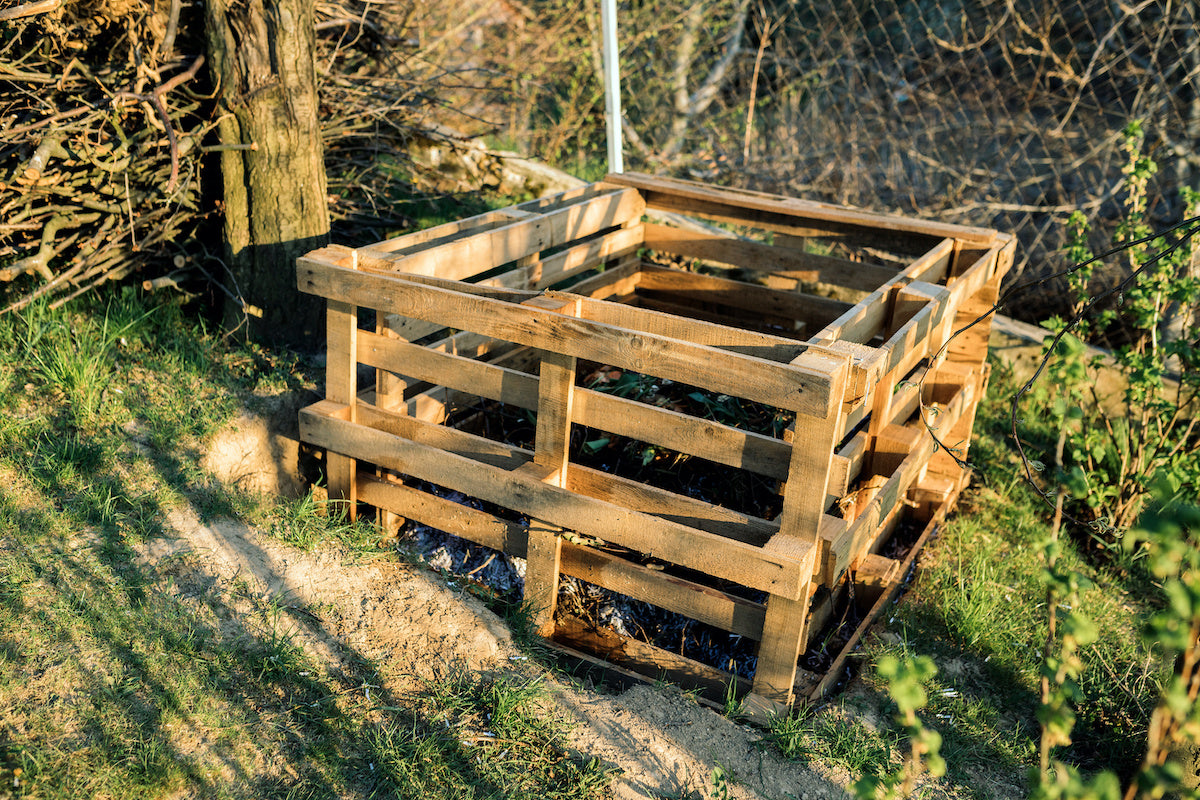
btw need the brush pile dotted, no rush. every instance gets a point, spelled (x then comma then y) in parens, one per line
(107, 112)
(99, 144)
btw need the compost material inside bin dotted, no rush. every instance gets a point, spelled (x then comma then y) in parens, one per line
(495, 575)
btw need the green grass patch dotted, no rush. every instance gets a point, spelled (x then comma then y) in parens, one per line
(123, 675)
(978, 609)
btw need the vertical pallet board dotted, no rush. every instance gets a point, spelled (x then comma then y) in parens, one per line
(511, 309)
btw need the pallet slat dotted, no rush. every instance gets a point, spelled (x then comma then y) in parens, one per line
(715, 555)
(474, 313)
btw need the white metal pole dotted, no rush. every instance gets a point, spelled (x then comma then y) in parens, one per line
(612, 84)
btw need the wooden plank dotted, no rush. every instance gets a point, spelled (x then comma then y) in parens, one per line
(652, 662)
(771, 259)
(833, 675)
(803, 217)
(746, 320)
(760, 345)
(445, 515)
(702, 603)
(472, 254)
(688, 511)
(932, 266)
(860, 323)
(341, 386)
(439, 234)
(552, 452)
(613, 284)
(624, 492)
(920, 447)
(571, 262)
(816, 311)
(804, 495)
(733, 373)
(785, 631)
(410, 329)
(543, 563)
(711, 554)
(869, 317)
(489, 220)
(556, 399)
(663, 427)
(476, 448)
(922, 334)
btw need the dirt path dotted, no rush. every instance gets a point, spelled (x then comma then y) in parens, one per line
(412, 625)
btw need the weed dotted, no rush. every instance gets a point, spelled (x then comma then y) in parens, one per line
(307, 522)
(721, 782)
(732, 705)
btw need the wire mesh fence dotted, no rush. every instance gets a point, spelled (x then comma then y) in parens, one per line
(1000, 114)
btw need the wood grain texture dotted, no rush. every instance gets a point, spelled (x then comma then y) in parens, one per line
(702, 603)
(787, 386)
(820, 218)
(341, 386)
(712, 554)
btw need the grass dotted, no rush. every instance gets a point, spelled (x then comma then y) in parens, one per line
(837, 737)
(115, 681)
(122, 676)
(977, 608)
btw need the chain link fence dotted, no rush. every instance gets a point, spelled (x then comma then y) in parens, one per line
(999, 114)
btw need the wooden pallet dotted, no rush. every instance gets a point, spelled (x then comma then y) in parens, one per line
(506, 306)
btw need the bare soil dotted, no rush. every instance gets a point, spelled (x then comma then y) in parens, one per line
(413, 626)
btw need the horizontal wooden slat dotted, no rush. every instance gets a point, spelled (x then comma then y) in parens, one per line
(689, 197)
(733, 373)
(702, 603)
(614, 284)
(469, 255)
(439, 234)
(652, 662)
(695, 549)
(814, 310)
(659, 426)
(776, 326)
(570, 262)
(758, 344)
(687, 511)
(444, 515)
(764, 258)
(628, 493)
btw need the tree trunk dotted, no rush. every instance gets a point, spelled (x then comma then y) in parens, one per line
(272, 163)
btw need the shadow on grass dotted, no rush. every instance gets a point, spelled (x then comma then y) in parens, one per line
(113, 681)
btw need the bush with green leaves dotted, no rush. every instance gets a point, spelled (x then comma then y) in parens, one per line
(1112, 457)
(906, 680)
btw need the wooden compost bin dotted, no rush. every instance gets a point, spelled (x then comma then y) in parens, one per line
(512, 306)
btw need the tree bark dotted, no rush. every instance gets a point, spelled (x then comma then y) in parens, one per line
(272, 168)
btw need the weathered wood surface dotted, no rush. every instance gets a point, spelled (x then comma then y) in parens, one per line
(462, 254)
(758, 257)
(862, 388)
(659, 426)
(325, 425)
(729, 371)
(799, 217)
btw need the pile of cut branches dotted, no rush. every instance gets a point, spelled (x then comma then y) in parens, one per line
(106, 109)
(99, 144)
